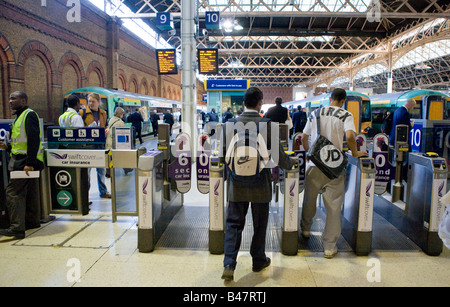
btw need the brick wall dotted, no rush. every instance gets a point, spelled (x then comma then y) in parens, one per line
(270, 93)
(47, 56)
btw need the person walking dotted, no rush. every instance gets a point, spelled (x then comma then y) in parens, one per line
(27, 154)
(154, 118)
(278, 113)
(299, 120)
(168, 119)
(94, 116)
(258, 191)
(136, 121)
(335, 122)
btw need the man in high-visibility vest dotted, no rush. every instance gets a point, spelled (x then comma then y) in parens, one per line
(71, 118)
(27, 154)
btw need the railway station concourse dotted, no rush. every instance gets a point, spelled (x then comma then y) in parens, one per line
(153, 84)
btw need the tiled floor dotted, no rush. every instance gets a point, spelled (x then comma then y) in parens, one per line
(76, 251)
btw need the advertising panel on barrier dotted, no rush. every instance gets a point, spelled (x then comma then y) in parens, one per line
(216, 203)
(300, 153)
(180, 169)
(291, 198)
(366, 205)
(385, 170)
(203, 156)
(76, 158)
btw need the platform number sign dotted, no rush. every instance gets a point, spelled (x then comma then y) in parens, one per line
(164, 21)
(415, 136)
(212, 20)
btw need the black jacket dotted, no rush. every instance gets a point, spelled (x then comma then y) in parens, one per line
(277, 114)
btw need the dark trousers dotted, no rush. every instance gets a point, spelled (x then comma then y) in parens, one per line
(235, 223)
(23, 203)
(155, 129)
(139, 135)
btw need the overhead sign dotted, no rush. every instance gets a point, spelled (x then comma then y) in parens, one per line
(227, 85)
(167, 61)
(212, 20)
(164, 21)
(208, 61)
(85, 135)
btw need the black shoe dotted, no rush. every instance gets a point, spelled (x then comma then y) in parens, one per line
(260, 268)
(28, 227)
(11, 233)
(228, 273)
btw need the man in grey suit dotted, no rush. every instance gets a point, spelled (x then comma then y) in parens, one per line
(258, 192)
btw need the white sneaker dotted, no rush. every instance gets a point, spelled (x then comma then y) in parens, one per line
(330, 253)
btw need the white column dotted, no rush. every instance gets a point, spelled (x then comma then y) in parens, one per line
(189, 63)
(390, 79)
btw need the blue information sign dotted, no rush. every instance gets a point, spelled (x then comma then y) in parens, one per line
(85, 135)
(164, 21)
(212, 20)
(226, 85)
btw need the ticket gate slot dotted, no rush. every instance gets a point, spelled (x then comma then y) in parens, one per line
(150, 201)
(357, 213)
(401, 153)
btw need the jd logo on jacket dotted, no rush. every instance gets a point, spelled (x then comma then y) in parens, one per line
(331, 156)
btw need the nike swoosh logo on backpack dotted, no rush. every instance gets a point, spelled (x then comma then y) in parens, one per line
(243, 160)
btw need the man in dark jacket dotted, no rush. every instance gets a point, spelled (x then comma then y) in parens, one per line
(136, 121)
(154, 120)
(228, 115)
(401, 117)
(299, 120)
(27, 154)
(168, 119)
(277, 113)
(258, 193)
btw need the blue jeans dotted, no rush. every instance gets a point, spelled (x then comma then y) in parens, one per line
(235, 223)
(101, 179)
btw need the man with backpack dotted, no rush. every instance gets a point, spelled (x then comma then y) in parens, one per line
(245, 147)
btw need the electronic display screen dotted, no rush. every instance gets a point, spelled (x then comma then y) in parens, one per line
(208, 61)
(167, 61)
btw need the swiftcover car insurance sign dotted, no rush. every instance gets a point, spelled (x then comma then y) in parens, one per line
(77, 158)
(180, 169)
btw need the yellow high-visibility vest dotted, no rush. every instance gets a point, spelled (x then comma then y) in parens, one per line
(19, 139)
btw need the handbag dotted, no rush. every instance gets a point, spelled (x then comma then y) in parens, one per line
(327, 157)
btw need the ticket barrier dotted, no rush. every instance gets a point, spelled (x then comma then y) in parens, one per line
(419, 215)
(419, 221)
(124, 186)
(163, 177)
(70, 154)
(216, 206)
(357, 212)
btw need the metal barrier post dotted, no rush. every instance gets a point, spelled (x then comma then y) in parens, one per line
(216, 206)
(289, 234)
(148, 202)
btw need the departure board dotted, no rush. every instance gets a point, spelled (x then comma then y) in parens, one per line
(167, 61)
(208, 61)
